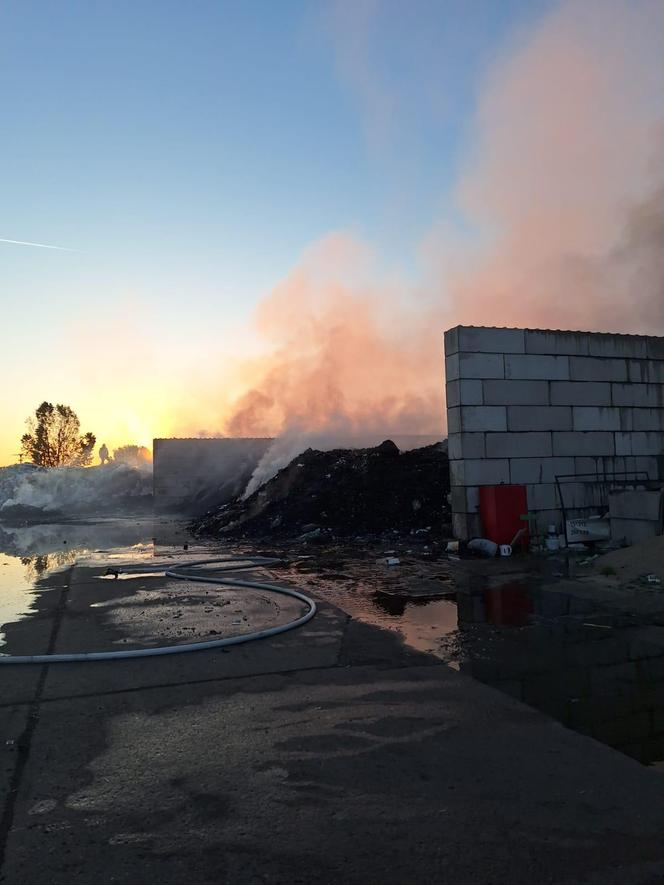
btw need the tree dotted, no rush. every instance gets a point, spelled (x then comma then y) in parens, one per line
(135, 456)
(54, 438)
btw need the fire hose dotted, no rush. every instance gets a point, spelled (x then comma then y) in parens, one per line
(228, 563)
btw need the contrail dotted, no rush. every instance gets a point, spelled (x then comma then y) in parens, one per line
(38, 245)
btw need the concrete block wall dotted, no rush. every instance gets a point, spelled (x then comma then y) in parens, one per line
(192, 475)
(525, 405)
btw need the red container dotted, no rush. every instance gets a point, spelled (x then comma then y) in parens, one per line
(501, 509)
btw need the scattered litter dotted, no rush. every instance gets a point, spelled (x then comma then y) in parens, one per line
(653, 579)
(505, 549)
(391, 560)
(452, 547)
(483, 546)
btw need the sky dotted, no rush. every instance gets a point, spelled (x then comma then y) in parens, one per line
(186, 156)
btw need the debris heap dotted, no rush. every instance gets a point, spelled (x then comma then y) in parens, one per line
(342, 493)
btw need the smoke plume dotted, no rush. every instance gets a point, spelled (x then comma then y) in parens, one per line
(562, 197)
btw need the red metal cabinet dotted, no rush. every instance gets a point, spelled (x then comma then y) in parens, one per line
(501, 509)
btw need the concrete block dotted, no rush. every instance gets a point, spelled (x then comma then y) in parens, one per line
(465, 499)
(538, 470)
(451, 341)
(536, 367)
(584, 494)
(465, 445)
(539, 418)
(583, 443)
(477, 419)
(596, 418)
(655, 348)
(562, 343)
(580, 393)
(598, 466)
(480, 339)
(479, 472)
(617, 345)
(648, 419)
(585, 368)
(652, 466)
(641, 443)
(542, 496)
(474, 365)
(451, 367)
(516, 393)
(641, 396)
(646, 371)
(633, 531)
(515, 445)
(463, 392)
(466, 526)
(636, 504)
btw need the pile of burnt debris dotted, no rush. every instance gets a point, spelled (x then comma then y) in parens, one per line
(342, 493)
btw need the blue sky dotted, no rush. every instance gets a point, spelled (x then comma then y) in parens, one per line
(191, 151)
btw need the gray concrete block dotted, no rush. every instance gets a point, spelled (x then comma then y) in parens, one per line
(636, 504)
(477, 419)
(465, 445)
(479, 472)
(585, 368)
(515, 445)
(646, 371)
(480, 339)
(452, 367)
(655, 348)
(633, 531)
(538, 470)
(643, 396)
(539, 418)
(542, 496)
(580, 393)
(596, 418)
(451, 341)
(641, 443)
(561, 343)
(535, 367)
(617, 345)
(466, 526)
(584, 494)
(651, 465)
(648, 419)
(516, 393)
(599, 465)
(464, 392)
(583, 443)
(465, 499)
(474, 365)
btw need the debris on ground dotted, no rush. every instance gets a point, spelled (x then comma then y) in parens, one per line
(641, 562)
(342, 493)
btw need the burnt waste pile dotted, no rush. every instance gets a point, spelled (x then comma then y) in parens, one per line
(343, 493)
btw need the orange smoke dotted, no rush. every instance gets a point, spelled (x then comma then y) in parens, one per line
(561, 193)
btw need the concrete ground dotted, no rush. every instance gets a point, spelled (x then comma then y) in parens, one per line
(327, 754)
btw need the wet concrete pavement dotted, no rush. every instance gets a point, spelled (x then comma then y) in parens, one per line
(330, 753)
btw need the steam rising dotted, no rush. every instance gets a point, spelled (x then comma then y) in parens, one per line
(564, 195)
(31, 491)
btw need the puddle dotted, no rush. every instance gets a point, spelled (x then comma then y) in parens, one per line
(31, 553)
(597, 670)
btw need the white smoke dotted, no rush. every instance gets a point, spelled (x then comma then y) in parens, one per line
(73, 491)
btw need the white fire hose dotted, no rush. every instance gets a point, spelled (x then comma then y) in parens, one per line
(232, 563)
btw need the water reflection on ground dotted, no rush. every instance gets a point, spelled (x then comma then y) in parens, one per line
(596, 669)
(30, 553)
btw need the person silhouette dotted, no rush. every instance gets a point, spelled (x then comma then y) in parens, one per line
(103, 454)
